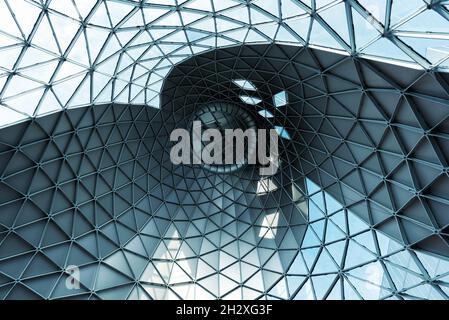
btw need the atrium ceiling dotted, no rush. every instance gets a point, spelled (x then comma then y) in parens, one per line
(65, 53)
(90, 91)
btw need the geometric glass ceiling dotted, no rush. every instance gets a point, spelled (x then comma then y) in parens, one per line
(94, 188)
(57, 54)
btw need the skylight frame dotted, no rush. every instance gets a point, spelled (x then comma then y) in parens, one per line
(246, 85)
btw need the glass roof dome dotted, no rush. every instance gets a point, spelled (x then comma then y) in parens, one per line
(66, 54)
